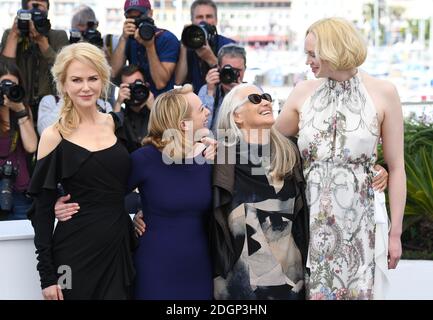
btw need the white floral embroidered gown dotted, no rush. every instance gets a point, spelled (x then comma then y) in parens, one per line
(338, 138)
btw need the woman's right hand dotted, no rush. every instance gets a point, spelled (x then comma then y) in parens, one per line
(64, 211)
(53, 292)
(139, 224)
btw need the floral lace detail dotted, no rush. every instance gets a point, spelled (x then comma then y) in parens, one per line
(338, 138)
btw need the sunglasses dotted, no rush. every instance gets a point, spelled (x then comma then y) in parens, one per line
(257, 98)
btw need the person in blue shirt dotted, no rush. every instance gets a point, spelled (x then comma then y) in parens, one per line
(212, 93)
(193, 65)
(157, 56)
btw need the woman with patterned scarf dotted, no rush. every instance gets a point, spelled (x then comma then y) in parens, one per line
(259, 233)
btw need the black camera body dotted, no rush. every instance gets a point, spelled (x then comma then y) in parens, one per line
(13, 91)
(91, 35)
(8, 173)
(146, 27)
(228, 74)
(196, 36)
(75, 36)
(139, 93)
(40, 19)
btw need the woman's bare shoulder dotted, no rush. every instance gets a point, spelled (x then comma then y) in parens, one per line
(50, 139)
(307, 86)
(379, 85)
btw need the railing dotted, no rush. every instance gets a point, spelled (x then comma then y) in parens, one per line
(420, 111)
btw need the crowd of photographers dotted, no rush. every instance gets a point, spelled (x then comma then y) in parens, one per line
(146, 60)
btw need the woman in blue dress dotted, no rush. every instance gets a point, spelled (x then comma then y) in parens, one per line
(174, 180)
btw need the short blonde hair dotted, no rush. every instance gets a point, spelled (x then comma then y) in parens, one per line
(167, 113)
(339, 43)
(85, 53)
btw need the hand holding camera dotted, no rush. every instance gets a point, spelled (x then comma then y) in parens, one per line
(33, 22)
(206, 54)
(128, 28)
(11, 95)
(133, 94)
(145, 32)
(124, 93)
(227, 75)
(212, 80)
(15, 32)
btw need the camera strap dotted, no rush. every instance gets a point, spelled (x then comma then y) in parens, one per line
(109, 43)
(218, 95)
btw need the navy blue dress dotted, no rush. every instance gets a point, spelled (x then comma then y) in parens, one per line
(173, 259)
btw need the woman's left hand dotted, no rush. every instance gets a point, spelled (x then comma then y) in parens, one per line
(211, 148)
(380, 180)
(64, 211)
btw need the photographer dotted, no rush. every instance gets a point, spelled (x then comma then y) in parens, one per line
(232, 63)
(17, 140)
(193, 65)
(142, 43)
(84, 27)
(33, 46)
(138, 100)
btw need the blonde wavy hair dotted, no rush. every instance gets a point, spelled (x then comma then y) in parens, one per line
(283, 151)
(93, 57)
(165, 122)
(339, 43)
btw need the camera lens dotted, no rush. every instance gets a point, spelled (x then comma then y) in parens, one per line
(228, 74)
(13, 91)
(146, 31)
(139, 93)
(194, 37)
(16, 93)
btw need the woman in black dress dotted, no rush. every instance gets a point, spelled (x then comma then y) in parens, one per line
(89, 257)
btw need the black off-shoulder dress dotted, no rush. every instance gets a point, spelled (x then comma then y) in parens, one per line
(95, 245)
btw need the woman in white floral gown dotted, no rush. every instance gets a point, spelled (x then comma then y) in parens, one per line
(340, 119)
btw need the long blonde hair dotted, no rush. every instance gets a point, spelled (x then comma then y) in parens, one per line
(339, 42)
(283, 151)
(166, 116)
(85, 53)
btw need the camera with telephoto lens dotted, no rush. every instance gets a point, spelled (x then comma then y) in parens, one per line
(40, 19)
(13, 91)
(146, 27)
(139, 93)
(195, 36)
(8, 173)
(228, 74)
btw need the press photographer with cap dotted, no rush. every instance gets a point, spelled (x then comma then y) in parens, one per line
(195, 59)
(33, 45)
(155, 50)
